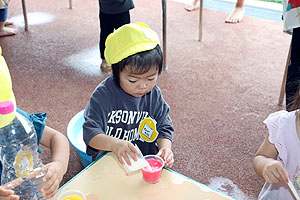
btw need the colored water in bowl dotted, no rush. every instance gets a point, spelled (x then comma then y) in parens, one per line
(73, 197)
(152, 175)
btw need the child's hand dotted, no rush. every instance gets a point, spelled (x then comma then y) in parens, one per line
(275, 172)
(52, 179)
(6, 193)
(168, 156)
(124, 148)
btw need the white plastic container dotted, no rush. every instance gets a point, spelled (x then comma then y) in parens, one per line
(136, 165)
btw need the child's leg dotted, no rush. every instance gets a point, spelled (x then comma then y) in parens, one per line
(115, 21)
(121, 19)
(237, 14)
(192, 6)
(5, 31)
(293, 74)
(105, 29)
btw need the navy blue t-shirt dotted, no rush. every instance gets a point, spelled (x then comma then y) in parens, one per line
(114, 112)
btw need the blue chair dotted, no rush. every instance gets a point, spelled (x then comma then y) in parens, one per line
(74, 134)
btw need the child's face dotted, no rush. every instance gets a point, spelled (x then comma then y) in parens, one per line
(138, 85)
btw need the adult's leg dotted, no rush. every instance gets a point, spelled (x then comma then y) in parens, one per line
(5, 31)
(293, 74)
(237, 14)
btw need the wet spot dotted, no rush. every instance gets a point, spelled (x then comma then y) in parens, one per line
(34, 18)
(226, 186)
(86, 61)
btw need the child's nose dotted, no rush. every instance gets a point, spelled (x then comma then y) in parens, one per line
(143, 85)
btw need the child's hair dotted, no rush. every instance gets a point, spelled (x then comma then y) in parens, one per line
(295, 104)
(139, 63)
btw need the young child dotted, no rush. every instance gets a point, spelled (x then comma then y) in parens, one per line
(59, 146)
(112, 15)
(277, 159)
(48, 137)
(124, 102)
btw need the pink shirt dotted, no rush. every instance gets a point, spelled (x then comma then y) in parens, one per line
(283, 134)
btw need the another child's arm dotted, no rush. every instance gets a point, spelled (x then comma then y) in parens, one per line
(119, 147)
(266, 165)
(165, 151)
(59, 147)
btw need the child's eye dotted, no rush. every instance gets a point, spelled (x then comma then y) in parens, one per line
(151, 79)
(132, 81)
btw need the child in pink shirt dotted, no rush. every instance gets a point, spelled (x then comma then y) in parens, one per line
(278, 158)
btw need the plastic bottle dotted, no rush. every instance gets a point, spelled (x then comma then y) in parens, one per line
(18, 154)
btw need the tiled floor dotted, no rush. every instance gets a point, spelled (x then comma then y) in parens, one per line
(219, 90)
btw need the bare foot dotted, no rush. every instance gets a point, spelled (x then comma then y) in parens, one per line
(103, 63)
(105, 67)
(236, 16)
(5, 31)
(8, 23)
(190, 7)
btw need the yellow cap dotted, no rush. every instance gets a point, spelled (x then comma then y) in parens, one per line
(128, 40)
(6, 92)
(5, 80)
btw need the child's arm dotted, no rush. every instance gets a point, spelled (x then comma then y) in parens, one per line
(59, 147)
(165, 151)
(119, 147)
(266, 165)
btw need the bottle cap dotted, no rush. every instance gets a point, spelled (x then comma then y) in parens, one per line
(6, 107)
